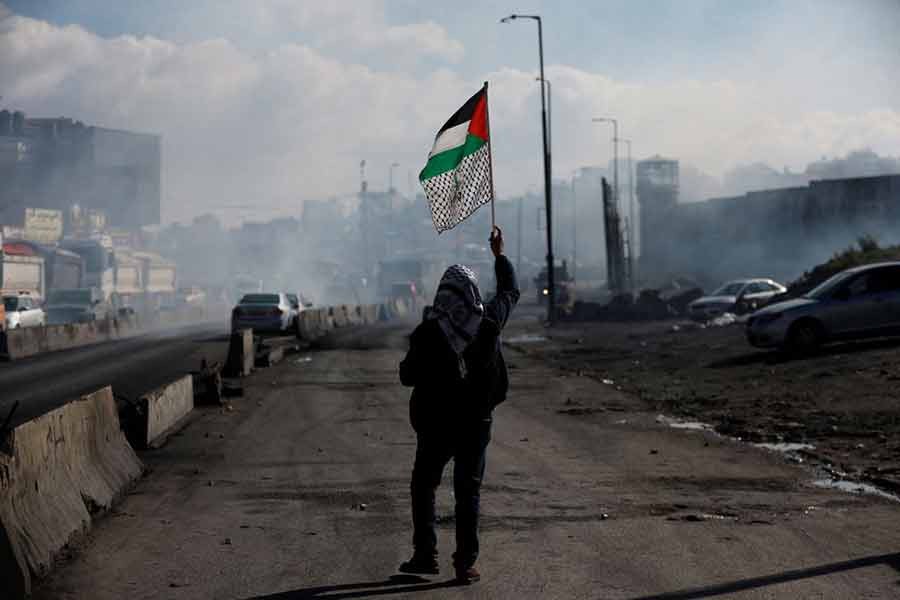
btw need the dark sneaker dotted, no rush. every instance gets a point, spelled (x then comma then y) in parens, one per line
(421, 565)
(467, 576)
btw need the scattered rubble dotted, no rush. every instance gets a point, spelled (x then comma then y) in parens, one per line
(650, 304)
(208, 383)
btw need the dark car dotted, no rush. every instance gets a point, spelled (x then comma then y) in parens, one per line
(856, 303)
(76, 306)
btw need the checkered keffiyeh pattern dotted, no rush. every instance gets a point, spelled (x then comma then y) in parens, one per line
(456, 194)
(459, 274)
(458, 307)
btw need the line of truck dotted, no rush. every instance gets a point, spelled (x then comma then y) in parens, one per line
(86, 279)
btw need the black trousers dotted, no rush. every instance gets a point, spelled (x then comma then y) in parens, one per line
(466, 444)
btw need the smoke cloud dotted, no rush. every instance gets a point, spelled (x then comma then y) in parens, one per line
(253, 130)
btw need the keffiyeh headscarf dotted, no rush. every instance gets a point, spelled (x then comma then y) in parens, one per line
(457, 307)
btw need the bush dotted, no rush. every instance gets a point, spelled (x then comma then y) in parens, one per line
(866, 251)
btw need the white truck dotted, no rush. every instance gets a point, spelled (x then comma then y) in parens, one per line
(22, 271)
(98, 263)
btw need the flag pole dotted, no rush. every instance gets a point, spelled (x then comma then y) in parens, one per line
(487, 114)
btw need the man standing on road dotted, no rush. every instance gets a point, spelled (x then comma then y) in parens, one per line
(456, 369)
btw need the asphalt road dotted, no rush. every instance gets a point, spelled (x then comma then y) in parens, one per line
(132, 366)
(300, 490)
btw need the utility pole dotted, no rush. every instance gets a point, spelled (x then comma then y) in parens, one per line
(548, 188)
(615, 124)
(519, 238)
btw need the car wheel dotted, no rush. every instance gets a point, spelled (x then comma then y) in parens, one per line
(804, 337)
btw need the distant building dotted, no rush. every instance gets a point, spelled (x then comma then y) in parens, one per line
(657, 188)
(56, 163)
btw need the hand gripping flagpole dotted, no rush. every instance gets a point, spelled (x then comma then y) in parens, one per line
(487, 115)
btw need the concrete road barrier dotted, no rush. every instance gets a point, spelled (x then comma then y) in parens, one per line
(165, 411)
(384, 312)
(312, 324)
(399, 308)
(28, 341)
(369, 313)
(340, 316)
(58, 470)
(241, 354)
(315, 323)
(354, 314)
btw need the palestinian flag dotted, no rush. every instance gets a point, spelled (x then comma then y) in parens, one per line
(458, 179)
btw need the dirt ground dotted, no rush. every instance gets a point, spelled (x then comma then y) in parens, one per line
(844, 402)
(299, 489)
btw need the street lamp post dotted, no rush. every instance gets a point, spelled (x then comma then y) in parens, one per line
(550, 140)
(615, 125)
(549, 115)
(551, 283)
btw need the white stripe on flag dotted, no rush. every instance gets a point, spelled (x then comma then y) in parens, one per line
(450, 138)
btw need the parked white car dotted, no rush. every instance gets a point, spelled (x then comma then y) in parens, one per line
(739, 295)
(23, 311)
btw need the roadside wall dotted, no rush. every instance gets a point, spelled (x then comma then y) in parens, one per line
(28, 341)
(55, 472)
(317, 322)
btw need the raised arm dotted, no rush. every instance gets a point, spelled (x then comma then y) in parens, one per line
(501, 306)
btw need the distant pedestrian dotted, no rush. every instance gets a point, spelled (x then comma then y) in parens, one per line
(456, 369)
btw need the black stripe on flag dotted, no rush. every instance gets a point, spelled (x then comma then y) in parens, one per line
(465, 113)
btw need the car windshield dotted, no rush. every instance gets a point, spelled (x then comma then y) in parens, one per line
(826, 289)
(732, 288)
(260, 299)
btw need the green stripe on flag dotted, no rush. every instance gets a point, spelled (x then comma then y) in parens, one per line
(450, 159)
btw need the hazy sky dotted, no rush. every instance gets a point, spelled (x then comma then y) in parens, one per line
(269, 102)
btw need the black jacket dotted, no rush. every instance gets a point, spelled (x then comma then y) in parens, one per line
(431, 367)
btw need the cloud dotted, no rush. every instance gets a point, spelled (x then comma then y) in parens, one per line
(359, 27)
(713, 125)
(272, 128)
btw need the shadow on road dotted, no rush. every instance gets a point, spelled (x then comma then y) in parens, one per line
(397, 584)
(893, 560)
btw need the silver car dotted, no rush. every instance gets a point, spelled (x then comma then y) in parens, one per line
(856, 303)
(263, 312)
(733, 296)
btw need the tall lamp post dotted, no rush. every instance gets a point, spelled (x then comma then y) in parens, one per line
(551, 283)
(549, 116)
(615, 125)
(550, 139)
